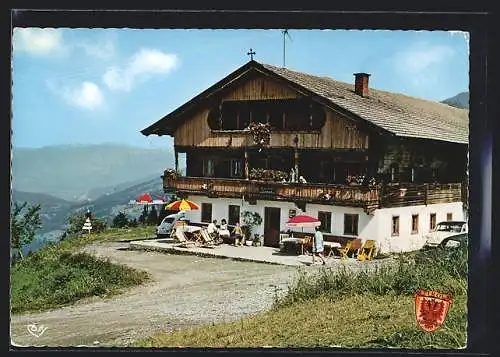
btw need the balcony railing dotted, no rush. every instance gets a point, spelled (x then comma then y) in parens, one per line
(329, 194)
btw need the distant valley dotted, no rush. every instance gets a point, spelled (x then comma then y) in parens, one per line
(85, 172)
(104, 178)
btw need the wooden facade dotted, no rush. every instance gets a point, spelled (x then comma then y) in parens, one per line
(336, 133)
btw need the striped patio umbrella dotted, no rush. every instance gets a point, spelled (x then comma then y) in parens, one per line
(182, 205)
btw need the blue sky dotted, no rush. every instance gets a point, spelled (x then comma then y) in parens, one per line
(90, 86)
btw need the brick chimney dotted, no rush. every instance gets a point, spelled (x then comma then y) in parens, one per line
(361, 84)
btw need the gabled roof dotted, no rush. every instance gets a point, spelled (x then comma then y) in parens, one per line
(395, 113)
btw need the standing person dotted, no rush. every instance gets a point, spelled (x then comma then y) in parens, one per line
(238, 234)
(318, 247)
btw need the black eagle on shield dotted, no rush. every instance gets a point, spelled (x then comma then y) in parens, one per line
(431, 309)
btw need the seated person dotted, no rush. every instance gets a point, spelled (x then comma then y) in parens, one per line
(223, 230)
(212, 229)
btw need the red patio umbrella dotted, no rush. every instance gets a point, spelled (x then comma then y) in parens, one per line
(303, 221)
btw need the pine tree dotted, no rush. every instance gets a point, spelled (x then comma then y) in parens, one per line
(120, 220)
(153, 216)
(25, 221)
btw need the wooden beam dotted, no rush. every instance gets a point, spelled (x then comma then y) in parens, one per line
(246, 164)
(296, 162)
(176, 154)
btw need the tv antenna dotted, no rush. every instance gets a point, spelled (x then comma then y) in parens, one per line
(285, 35)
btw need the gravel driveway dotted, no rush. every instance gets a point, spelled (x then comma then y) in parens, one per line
(184, 291)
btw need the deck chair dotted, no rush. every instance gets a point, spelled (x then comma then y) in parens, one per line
(366, 252)
(307, 243)
(351, 246)
(206, 239)
(181, 237)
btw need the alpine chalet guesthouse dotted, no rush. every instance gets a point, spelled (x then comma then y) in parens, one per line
(369, 164)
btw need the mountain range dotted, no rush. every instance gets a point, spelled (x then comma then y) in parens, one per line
(461, 100)
(84, 172)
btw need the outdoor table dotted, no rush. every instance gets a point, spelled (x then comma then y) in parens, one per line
(332, 245)
(191, 229)
(297, 241)
(284, 236)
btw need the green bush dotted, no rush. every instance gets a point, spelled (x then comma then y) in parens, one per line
(75, 223)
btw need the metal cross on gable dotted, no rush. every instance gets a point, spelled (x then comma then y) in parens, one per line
(251, 53)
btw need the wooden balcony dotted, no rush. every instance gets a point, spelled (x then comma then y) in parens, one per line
(341, 195)
(420, 194)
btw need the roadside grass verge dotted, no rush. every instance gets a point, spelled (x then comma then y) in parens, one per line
(59, 275)
(343, 308)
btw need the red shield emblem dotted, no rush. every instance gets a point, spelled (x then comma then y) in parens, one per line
(431, 309)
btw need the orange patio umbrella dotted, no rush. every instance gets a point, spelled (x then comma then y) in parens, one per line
(182, 205)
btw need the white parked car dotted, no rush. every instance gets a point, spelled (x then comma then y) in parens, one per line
(445, 230)
(165, 227)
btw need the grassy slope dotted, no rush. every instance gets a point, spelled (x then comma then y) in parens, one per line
(58, 275)
(362, 321)
(338, 308)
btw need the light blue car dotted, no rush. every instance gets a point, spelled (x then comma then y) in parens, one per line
(165, 227)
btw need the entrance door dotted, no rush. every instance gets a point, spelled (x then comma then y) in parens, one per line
(271, 226)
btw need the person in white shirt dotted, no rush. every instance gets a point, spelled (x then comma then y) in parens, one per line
(212, 228)
(224, 231)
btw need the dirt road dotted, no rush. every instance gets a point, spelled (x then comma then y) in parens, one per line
(184, 291)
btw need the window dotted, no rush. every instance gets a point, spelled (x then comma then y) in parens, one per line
(395, 226)
(233, 215)
(206, 212)
(414, 223)
(230, 118)
(284, 114)
(394, 172)
(351, 224)
(326, 221)
(276, 118)
(236, 170)
(432, 225)
(449, 216)
(208, 168)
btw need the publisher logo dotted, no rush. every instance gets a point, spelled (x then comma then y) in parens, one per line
(35, 330)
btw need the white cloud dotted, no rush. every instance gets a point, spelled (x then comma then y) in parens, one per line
(87, 95)
(38, 41)
(420, 61)
(141, 66)
(102, 49)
